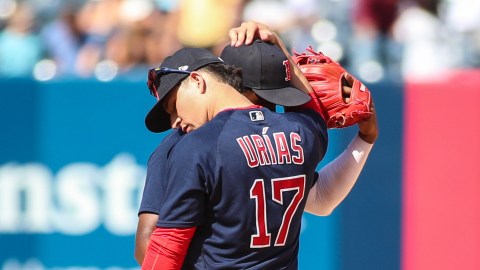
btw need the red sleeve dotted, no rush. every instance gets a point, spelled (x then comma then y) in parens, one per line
(167, 248)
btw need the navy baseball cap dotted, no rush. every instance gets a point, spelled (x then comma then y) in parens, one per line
(172, 71)
(265, 70)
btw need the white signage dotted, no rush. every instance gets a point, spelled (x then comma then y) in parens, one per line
(79, 199)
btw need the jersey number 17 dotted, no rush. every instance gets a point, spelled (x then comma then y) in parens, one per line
(294, 184)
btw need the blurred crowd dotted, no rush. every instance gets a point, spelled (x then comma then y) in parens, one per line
(107, 39)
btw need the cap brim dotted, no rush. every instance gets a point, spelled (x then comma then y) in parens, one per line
(287, 96)
(185, 59)
(157, 119)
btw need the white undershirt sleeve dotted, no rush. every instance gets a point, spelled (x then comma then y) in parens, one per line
(336, 179)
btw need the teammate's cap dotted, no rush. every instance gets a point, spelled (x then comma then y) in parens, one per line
(266, 71)
(172, 71)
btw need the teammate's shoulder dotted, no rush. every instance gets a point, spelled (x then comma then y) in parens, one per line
(306, 116)
(170, 140)
(198, 139)
(167, 143)
(174, 135)
(194, 148)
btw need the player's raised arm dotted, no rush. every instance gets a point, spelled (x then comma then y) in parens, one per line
(336, 179)
(339, 97)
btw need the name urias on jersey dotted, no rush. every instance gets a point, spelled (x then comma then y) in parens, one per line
(271, 149)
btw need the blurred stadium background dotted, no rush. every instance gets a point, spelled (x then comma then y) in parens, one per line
(73, 146)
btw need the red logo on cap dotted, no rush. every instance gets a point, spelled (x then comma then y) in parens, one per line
(287, 70)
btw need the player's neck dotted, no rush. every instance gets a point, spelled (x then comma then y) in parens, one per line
(227, 98)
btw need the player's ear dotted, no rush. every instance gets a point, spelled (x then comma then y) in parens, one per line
(198, 81)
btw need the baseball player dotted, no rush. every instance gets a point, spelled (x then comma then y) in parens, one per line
(239, 205)
(152, 194)
(334, 180)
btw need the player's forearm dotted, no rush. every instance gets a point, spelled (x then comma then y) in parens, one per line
(141, 243)
(145, 227)
(167, 248)
(368, 129)
(337, 178)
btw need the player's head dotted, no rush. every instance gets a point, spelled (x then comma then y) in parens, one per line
(266, 74)
(189, 69)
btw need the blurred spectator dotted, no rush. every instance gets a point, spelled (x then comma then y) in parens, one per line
(427, 50)
(205, 23)
(321, 24)
(135, 33)
(126, 48)
(161, 30)
(382, 38)
(20, 46)
(292, 19)
(97, 19)
(62, 39)
(371, 47)
(274, 13)
(463, 18)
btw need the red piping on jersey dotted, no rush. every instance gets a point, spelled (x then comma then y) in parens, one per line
(243, 108)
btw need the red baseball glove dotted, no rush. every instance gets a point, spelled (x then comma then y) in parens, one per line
(327, 79)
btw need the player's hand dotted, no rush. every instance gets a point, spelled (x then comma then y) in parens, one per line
(368, 128)
(347, 84)
(247, 32)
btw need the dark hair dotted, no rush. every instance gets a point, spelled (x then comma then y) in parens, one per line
(226, 74)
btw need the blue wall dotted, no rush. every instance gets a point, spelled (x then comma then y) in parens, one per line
(74, 154)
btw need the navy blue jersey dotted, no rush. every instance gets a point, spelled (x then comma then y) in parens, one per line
(242, 179)
(153, 190)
